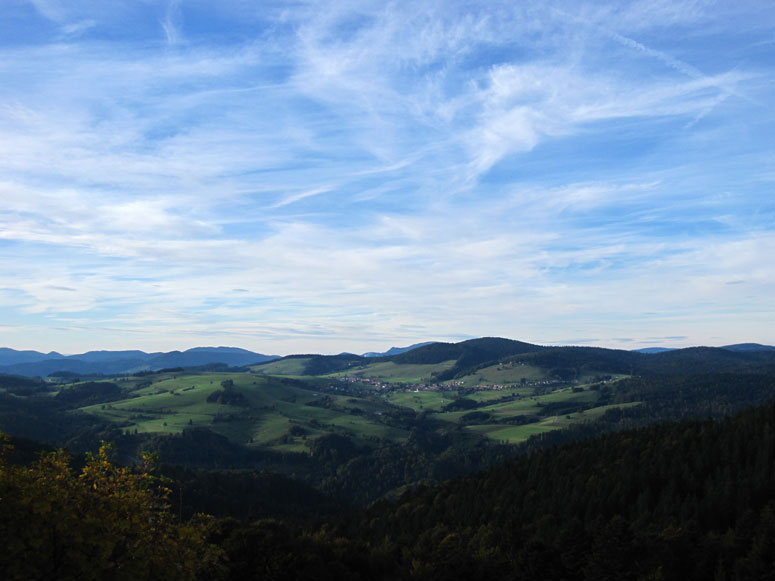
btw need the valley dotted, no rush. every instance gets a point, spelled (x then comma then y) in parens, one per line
(464, 458)
(274, 406)
(422, 415)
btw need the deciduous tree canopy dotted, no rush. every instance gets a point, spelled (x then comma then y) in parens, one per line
(106, 522)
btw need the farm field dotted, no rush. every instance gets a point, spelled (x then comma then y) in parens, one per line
(516, 434)
(485, 395)
(268, 412)
(504, 375)
(524, 405)
(391, 372)
(287, 366)
(513, 434)
(432, 400)
(285, 413)
(425, 400)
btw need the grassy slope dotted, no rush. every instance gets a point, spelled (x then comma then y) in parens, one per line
(504, 375)
(294, 366)
(172, 405)
(395, 373)
(516, 434)
(435, 400)
(524, 405)
(278, 415)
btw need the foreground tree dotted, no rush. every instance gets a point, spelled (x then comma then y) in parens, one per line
(108, 522)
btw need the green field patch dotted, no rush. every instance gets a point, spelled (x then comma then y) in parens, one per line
(390, 372)
(273, 406)
(175, 403)
(271, 428)
(485, 395)
(295, 447)
(525, 405)
(238, 429)
(513, 434)
(592, 413)
(423, 400)
(365, 428)
(308, 414)
(564, 395)
(503, 374)
(498, 411)
(294, 366)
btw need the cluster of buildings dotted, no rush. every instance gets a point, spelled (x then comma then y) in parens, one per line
(379, 385)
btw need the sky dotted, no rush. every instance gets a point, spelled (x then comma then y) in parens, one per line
(293, 177)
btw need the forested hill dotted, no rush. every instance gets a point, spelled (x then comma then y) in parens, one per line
(468, 355)
(693, 499)
(573, 361)
(691, 360)
(484, 349)
(687, 500)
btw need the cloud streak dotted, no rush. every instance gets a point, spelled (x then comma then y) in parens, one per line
(320, 180)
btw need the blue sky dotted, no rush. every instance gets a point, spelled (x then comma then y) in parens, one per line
(301, 176)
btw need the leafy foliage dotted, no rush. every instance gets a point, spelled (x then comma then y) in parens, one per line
(107, 522)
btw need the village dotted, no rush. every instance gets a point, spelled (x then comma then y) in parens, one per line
(374, 384)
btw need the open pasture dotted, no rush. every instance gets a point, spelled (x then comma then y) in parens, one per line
(485, 395)
(269, 410)
(424, 400)
(279, 413)
(503, 374)
(293, 366)
(390, 372)
(513, 434)
(526, 404)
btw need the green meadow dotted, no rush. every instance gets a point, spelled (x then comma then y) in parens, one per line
(287, 366)
(513, 434)
(516, 434)
(504, 374)
(270, 411)
(275, 408)
(523, 405)
(424, 400)
(391, 372)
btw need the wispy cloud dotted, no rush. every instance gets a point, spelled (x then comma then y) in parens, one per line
(328, 178)
(171, 22)
(300, 196)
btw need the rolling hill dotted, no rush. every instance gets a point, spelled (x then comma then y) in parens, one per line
(431, 413)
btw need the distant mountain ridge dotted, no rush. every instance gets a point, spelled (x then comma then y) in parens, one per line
(748, 347)
(36, 364)
(396, 350)
(12, 356)
(100, 356)
(468, 356)
(652, 350)
(738, 347)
